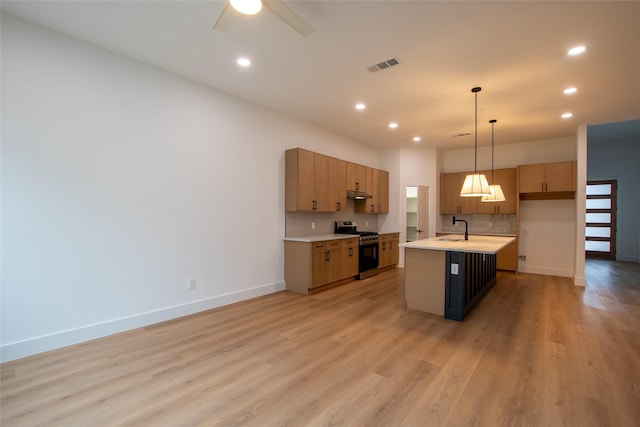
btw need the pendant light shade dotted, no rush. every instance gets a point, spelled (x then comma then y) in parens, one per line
(497, 195)
(475, 185)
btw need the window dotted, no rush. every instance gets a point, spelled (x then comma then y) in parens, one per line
(600, 231)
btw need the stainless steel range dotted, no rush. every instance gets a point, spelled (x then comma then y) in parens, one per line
(368, 248)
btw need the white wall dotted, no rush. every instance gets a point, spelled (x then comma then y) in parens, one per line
(547, 237)
(408, 166)
(547, 253)
(120, 182)
(619, 161)
(510, 155)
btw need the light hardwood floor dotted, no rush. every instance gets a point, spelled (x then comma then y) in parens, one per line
(537, 351)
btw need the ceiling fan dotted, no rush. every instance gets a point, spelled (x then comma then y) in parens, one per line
(250, 7)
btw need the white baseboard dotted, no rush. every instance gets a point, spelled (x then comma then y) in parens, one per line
(28, 347)
(546, 271)
(627, 259)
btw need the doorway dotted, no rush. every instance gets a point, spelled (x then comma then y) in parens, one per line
(417, 211)
(600, 230)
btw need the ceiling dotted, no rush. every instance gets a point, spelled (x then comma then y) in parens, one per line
(516, 51)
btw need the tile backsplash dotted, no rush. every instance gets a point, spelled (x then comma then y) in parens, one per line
(491, 224)
(302, 223)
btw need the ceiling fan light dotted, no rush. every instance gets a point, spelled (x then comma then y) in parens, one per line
(248, 7)
(475, 185)
(497, 195)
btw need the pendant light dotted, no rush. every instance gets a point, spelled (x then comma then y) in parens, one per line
(475, 185)
(497, 195)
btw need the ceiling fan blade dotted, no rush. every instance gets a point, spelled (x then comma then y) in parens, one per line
(225, 19)
(283, 12)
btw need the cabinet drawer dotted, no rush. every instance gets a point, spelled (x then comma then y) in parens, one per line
(349, 242)
(318, 246)
(333, 244)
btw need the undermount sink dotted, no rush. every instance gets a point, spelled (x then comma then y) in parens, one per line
(445, 239)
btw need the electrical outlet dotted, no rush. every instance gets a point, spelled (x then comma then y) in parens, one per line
(192, 283)
(366, 223)
(523, 257)
(313, 225)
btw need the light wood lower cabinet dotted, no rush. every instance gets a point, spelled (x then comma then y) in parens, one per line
(507, 258)
(388, 249)
(309, 266)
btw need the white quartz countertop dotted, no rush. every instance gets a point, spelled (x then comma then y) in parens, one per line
(482, 234)
(320, 238)
(456, 243)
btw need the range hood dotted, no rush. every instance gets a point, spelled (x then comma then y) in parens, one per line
(358, 195)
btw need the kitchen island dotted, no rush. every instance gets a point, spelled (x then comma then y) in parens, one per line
(449, 275)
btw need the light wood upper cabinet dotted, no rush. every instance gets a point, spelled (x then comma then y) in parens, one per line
(299, 180)
(318, 183)
(356, 177)
(310, 184)
(383, 191)
(377, 185)
(561, 176)
(532, 178)
(508, 180)
(321, 183)
(338, 184)
(372, 181)
(450, 200)
(451, 203)
(547, 177)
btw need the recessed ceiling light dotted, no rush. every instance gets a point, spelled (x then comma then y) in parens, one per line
(570, 90)
(360, 106)
(567, 115)
(417, 139)
(576, 50)
(244, 62)
(393, 125)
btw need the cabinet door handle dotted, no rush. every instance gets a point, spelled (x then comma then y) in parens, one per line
(384, 246)
(338, 206)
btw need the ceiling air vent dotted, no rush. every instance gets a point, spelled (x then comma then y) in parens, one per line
(383, 65)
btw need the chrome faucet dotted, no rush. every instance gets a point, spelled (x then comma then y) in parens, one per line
(466, 227)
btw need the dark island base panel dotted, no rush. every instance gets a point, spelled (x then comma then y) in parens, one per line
(468, 277)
